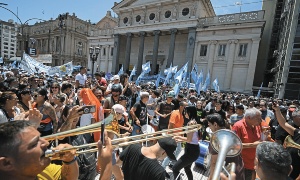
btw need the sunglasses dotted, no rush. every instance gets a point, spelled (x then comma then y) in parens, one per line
(54, 87)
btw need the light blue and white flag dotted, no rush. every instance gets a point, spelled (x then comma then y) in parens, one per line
(169, 75)
(174, 70)
(1, 60)
(194, 73)
(133, 73)
(199, 82)
(207, 82)
(216, 85)
(146, 67)
(178, 81)
(259, 91)
(183, 69)
(121, 71)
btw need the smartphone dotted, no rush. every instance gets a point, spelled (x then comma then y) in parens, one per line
(88, 109)
(102, 132)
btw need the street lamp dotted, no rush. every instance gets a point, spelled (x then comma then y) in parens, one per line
(94, 52)
(61, 24)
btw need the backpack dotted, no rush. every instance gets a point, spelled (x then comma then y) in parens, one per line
(87, 162)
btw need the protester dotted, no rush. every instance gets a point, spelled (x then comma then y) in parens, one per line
(8, 106)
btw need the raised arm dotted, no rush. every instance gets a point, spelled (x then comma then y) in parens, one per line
(282, 122)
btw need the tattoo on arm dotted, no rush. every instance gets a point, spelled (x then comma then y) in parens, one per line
(51, 113)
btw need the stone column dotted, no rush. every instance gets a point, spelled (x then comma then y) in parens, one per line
(127, 53)
(172, 47)
(155, 50)
(190, 47)
(211, 56)
(141, 52)
(107, 57)
(115, 64)
(252, 65)
(228, 73)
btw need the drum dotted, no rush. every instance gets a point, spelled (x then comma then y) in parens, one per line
(203, 160)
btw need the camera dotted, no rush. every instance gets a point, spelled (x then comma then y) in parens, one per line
(88, 109)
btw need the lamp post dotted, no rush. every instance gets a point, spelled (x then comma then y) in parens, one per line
(94, 52)
(61, 24)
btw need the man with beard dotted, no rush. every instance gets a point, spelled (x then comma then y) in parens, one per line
(116, 90)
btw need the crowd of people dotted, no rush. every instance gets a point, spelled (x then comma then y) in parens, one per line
(36, 105)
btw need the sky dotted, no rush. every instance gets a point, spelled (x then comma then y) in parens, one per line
(95, 10)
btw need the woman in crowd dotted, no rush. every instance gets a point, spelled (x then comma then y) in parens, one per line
(216, 122)
(48, 123)
(8, 109)
(230, 111)
(59, 105)
(67, 89)
(54, 90)
(192, 150)
(24, 103)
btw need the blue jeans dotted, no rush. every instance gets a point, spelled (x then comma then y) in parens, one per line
(167, 160)
(136, 130)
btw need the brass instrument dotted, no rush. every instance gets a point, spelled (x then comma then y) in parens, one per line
(227, 144)
(119, 142)
(111, 125)
(289, 142)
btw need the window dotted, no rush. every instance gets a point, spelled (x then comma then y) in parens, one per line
(243, 49)
(203, 50)
(125, 20)
(138, 18)
(222, 50)
(112, 51)
(185, 11)
(151, 16)
(167, 14)
(104, 51)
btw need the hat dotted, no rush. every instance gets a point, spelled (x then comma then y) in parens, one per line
(171, 94)
(116, 77)
(292, 108)
(169, 145)
(119, 109)
(193, 96)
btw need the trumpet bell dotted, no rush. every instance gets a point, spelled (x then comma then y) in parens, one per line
(225, 137)
(289, 142)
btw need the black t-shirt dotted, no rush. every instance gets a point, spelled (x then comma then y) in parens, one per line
(281, 134)
(138, 167)
(221, 112)
(141, 112)
(201, 114)
(295, 155)
(164, 108)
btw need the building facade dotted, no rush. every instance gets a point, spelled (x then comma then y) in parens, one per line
(65, 40)
(8, 40)
(101, 36)
(175, 32)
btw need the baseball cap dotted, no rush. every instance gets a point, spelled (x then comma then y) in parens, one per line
(119, 109)
(240, 107)
(169, 145)
(171, 94)
(116, 77)
(292, 108)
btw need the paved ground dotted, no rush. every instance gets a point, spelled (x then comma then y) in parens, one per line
(198, 173)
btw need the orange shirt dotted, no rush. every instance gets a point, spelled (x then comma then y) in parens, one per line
(176, 119)
(247, 134)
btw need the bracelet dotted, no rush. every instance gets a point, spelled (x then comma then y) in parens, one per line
(68, 163)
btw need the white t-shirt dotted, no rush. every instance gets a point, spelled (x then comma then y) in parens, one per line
(3, 117)
(81, 78)
(86, 119)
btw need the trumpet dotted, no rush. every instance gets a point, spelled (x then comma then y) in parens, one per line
(120, 142)
(289, 142)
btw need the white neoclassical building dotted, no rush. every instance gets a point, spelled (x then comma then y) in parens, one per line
(167, 32)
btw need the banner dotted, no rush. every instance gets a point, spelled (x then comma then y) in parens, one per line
(32, 66)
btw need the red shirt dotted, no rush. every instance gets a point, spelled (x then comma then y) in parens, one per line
(102, 81)
(247, 134)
